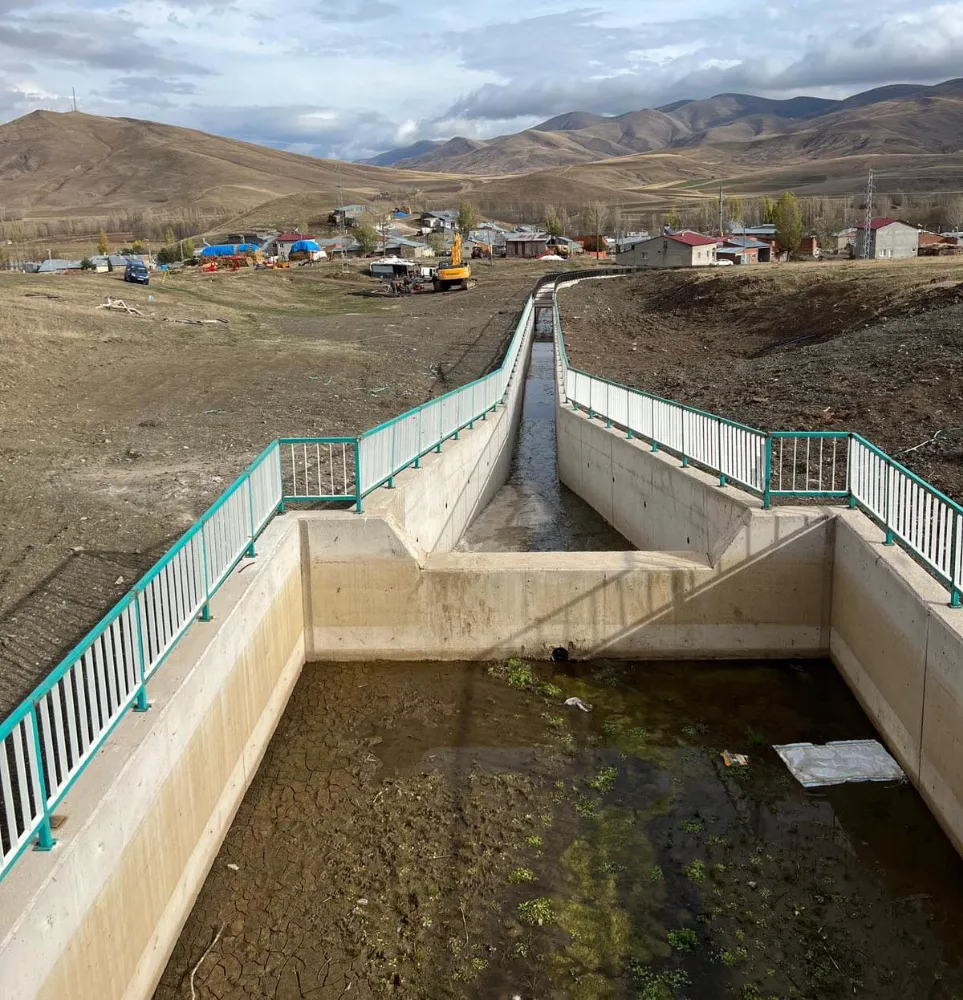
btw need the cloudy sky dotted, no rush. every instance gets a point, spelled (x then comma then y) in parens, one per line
(351, 78)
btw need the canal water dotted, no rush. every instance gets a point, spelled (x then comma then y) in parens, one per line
(533, 511)
(440, 831)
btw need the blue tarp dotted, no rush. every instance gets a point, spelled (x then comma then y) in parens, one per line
(305, 245)
(228, 249)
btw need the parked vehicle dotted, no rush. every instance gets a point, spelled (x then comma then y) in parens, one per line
(137, 272)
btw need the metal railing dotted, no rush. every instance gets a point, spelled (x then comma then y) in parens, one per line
(46, 743)
(403, 441)
(826, 465)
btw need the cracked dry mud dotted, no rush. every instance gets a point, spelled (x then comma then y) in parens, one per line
(430, 831)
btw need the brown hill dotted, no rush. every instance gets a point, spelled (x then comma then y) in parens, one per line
(60, 164)
(902, 118)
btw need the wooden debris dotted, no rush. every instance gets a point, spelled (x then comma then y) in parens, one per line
(197, 322)
(43, 295)
(120, 306)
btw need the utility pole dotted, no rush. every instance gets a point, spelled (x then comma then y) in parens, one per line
(342, 226)
(721, 212)
(868, 230)
(73, 94)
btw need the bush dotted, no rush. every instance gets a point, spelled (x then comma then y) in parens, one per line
(87, 265)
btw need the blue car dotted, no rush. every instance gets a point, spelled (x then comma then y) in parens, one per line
(137, 272)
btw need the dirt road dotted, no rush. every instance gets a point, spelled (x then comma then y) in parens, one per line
(116, 432)
(875, 348)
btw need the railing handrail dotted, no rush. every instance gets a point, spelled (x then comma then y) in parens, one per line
(953, 580)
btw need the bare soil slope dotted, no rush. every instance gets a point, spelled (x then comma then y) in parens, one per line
(77, 164)
(874, 348)
(117, 432)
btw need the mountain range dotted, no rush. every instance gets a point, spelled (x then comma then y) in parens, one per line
(902, 118)
(70, 164)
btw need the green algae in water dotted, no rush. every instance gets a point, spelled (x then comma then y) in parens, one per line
(607, 919)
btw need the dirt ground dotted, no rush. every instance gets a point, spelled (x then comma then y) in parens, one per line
(874, 347)
(116, 432)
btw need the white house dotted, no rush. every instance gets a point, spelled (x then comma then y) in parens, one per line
(675, 250)
(889, 239)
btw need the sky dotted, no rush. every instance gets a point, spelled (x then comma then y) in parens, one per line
(351, 78)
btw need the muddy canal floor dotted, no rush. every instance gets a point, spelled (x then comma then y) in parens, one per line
(433, 831)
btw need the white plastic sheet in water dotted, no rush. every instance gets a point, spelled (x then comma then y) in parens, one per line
(839, 762)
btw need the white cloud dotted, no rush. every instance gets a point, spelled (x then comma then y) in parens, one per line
(352, 77)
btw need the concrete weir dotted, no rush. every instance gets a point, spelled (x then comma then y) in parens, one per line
(715, 576)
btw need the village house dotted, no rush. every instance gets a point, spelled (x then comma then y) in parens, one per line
(526, 244)
(672, 250)
(737, 254)
(439, 221)
(281, 245)
(338, 247)
(763, 250)
(401, 246)
(889, 239)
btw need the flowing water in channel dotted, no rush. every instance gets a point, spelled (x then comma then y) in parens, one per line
(440, 831)
(533, 511)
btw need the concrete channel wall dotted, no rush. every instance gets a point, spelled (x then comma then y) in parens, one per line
(98, 917)
(900, 649)
(719, 577)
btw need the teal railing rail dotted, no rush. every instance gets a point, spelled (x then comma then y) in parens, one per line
(826, 465)
(48, 741)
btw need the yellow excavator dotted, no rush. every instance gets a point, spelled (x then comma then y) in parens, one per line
(456, 274)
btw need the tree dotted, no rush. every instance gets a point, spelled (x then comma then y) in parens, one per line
(187, 248)
(137, 246)
(787, 217)
(87, 264)
(468, 218)
(733, 209)
(672, 219)
(366, 237)
(102, 243)
(169, 238)
(768, 211)
(553, 224)
(437, 243)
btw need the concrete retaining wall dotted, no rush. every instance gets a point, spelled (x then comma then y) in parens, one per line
(741, 582)
(432, 505)
(98, 917)
(900, 649)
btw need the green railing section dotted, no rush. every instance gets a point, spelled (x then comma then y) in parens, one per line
(823, 465)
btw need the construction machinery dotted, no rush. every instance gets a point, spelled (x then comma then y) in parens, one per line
(456, 274)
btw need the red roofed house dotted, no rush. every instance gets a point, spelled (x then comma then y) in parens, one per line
(684, 249)
(890, 239)
(285, 241)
